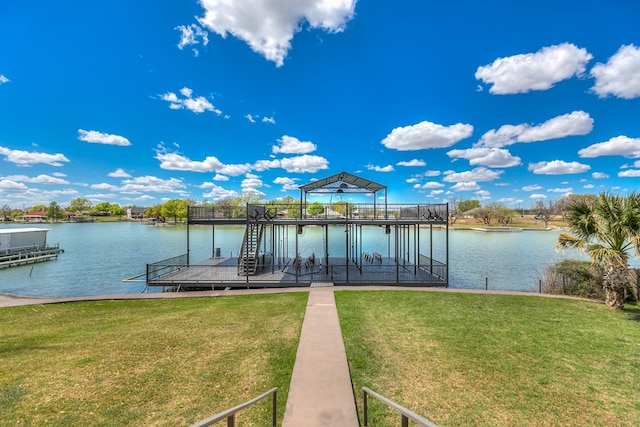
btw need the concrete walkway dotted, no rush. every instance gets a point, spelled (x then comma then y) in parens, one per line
(321, 394)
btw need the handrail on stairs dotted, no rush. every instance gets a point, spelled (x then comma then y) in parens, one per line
(230, 414)
(405, 414)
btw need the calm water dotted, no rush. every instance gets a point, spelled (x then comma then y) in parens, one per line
(99, 255)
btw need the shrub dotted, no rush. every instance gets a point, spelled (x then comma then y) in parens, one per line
(573, 277)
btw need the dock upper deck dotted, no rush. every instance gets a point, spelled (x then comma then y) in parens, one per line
(321, 214)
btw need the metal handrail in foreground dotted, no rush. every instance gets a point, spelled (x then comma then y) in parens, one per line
(405, 414)
(230, 414)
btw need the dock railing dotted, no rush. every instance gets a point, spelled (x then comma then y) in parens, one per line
(405, 414)
(230, 414)
(158, 269)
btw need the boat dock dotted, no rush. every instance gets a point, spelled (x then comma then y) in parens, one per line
(24, 258)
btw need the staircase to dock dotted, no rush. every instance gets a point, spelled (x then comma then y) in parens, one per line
(248, 258)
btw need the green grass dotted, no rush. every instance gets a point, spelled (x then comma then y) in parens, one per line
(152, 363)
(493, 360)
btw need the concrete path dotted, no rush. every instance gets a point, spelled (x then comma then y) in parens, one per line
(321, 394)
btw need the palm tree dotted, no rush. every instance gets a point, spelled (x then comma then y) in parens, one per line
(605, 227)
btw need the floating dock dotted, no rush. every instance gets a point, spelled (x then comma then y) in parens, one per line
(21, 246)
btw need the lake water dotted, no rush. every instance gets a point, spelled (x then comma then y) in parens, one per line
(98, 256)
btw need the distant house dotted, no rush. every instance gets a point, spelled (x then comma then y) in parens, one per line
(33, 217)
(135, 212)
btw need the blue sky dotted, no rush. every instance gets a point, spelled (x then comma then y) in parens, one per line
(139, 102)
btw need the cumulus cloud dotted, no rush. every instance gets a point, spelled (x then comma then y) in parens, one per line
(484, 156)
(216, 192)
(220, 177)
(620, 76)
(187, 101)
(40, 179)
(304, 164)
(412, 163)
(558, 167)
(119, 173)
(466, 186)
(534, 71)
(538, 196)
(572, 124)
(430, 184)
(192, 35)
(286, 183)
(269, 120)
(426, 135)
(376, 168)
(629, 173)
(28, 158)
(175, 161)
(95, 137)
(599, 175)
(251, 182)
(531, 187)
(617, 146)
(475, 175)
(148, 183)
(269, 26)
(250, 118)
(292, 145)
(3, 79)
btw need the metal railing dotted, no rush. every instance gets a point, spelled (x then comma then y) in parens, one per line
(429, 213)
(230, 414)
(158, 269)
(405, 414)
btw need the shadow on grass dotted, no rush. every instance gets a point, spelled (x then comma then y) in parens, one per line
(633, 311)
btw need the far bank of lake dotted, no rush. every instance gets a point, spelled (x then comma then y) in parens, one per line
(98, 256)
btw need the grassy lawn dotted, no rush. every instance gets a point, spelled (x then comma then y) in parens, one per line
(493, 360)
(151, 363)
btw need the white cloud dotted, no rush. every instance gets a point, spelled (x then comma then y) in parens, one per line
(287, 183)
(466, 186)
(269, 120)
(566, 190)
(538, 196)
(376, 168)
(268, 26)
(250, 118)
(531, 188)
(426, 135)
(143, 184)
(95, 137)
(430, 184)
(558, 167)
(3, 79)
(629, 173)
(534, 71)
(484, 156)
(40, 179)
(192, 35)
(574, 123)
(291, 145)
(220, 177)
(197, 105)
(599, 175)
(620, 76)
(216, 192)
(412, 163)
(119, 173)
(263, 165)
(475, 175)
(251, 182)
(28, 158)
(175, 161)
(105, 186)
(304, 164)
(617, 146)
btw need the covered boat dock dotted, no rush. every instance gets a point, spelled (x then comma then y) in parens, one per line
(348, 243)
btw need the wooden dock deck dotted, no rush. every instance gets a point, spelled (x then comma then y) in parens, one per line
(221, 273)
(24, 258)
